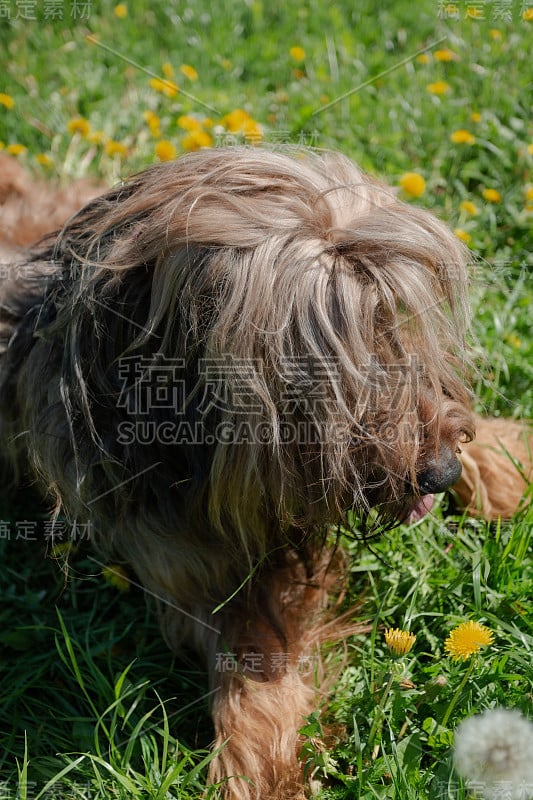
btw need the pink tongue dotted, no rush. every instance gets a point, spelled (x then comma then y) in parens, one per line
(422, 508)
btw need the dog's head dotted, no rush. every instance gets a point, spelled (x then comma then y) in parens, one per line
(249, 341)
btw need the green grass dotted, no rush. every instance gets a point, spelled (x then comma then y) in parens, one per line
(91, 702)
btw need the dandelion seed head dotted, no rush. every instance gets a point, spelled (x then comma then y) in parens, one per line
(495, 750)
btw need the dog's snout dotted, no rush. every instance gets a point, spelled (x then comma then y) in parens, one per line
(440, 473)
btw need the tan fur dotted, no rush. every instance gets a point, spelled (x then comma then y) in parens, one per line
(258, 714)
(497, 468)
(30, 208)
(280, 267)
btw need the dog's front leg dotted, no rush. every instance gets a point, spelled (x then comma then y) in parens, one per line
(257, 739)
(268, 677)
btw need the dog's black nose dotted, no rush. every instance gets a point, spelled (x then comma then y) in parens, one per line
(440, 473)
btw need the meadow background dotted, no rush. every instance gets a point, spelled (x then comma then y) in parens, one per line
(433, 97)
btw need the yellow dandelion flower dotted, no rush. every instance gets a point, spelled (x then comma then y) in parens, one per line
(151, 118)
(513, 340)
(530, 149)
(44, 160)
(399, 642)
(116, 576)
(467, 639)
(529, 194)
(438, 87)
(6, 100)
(121, 11)
(153, 123)
(445, 55)
(189, 123)
(189, 72)
(475, 116)
(170, 89)
(464, 236)
(469, 207)
(113, 148)
(297, 53)
(462, 136)
(253, 131)
(96, 137)
(166, 87)
(495, 33)
(423, 58)
(165, 150)
(474, 12)
(79, 125)
(16, 149)
(236, 120)
(167, 69)
(195, 140)
(63, 549)
(527, 14)
(239, 121)
(413, 184)
(492, 195)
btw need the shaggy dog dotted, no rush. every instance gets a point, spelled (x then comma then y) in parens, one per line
(216, 364)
